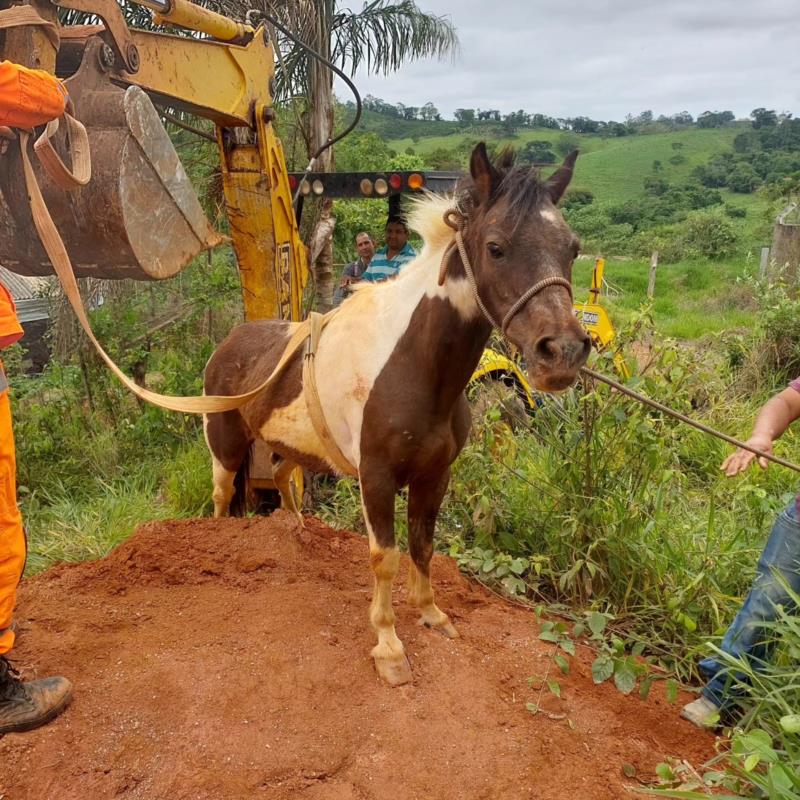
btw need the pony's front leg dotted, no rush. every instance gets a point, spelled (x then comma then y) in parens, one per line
(424, 500)
(377, 497)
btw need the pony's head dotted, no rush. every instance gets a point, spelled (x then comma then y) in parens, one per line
(521, 251)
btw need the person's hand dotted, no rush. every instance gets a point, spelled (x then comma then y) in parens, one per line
(741, 459)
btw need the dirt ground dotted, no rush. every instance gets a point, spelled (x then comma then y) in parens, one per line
(227, 659)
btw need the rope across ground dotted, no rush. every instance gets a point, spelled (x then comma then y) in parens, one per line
(229, 659)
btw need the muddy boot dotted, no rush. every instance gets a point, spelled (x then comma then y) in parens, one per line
(702, 713)
(27, 705)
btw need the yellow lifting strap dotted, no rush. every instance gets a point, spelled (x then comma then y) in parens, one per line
(313, 403)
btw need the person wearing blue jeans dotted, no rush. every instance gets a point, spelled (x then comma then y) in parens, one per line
(746, 637)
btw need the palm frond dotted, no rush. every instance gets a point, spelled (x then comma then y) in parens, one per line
(385, 34)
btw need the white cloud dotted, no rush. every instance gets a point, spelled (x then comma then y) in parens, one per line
(607, 58)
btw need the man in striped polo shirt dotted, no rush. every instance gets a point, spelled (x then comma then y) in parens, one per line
(389, 260)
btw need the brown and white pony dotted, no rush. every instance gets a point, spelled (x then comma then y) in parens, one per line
(393, 363)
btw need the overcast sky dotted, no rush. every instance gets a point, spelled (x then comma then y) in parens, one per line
(607, 58)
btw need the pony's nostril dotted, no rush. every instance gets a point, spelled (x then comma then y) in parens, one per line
(547, 348)
(570, 349)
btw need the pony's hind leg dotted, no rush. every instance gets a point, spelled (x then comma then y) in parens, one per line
(282, 475)
(377, 498)
(229, 444)
(424, 500)
(223, 490)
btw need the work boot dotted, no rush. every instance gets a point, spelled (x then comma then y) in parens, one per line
(25, 705)
(702, 713)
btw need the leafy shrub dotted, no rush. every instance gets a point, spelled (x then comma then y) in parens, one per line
(577, 198)
(735, 212)
(707, 233)
(743, 179)
(655, 185)
(566, 143)
(768, 356)
(537, 151)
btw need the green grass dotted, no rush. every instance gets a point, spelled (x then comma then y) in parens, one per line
(62, 527)
(692, 299)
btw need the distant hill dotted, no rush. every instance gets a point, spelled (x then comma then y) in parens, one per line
(643, 179)
(612, 167)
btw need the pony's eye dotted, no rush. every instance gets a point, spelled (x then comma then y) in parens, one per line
(495, 251)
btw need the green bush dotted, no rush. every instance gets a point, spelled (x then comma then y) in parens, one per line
(735, 212)
(707, 233)
(577, 198)
(743, 179)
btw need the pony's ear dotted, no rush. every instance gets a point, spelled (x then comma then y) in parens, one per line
(484, 175)
(557, 183)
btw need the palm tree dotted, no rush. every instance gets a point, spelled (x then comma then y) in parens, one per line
(382, 36)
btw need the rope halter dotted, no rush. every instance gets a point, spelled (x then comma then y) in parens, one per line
(456, 218)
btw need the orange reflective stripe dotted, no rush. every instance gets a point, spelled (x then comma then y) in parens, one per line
(10, 329)
(29, 97)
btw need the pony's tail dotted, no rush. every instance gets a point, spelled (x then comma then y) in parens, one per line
(238, 507)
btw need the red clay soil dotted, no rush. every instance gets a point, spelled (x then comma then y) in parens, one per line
(227, 659)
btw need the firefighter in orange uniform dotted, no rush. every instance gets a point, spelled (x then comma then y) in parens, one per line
(27, 98)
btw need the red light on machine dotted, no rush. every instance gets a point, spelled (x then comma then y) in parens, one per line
(396, 181)
(292, 182)
(415, 181)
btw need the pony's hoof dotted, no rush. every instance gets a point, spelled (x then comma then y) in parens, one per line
(395, 670)
(446, 628)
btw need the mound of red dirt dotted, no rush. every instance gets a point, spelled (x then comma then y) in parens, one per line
(227, 659)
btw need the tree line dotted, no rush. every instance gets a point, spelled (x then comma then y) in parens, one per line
(514, 120)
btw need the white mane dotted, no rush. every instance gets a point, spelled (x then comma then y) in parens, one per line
(427, 218)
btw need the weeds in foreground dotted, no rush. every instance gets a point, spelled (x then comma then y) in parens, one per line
(763, 759)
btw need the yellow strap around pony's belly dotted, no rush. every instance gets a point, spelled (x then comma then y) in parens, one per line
(314, 404)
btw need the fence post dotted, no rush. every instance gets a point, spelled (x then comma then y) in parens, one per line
(762, 267)
(651, 283)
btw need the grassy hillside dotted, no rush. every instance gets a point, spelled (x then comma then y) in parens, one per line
(692, 299)
(613, 168)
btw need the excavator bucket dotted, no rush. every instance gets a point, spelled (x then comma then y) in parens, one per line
(138, 217)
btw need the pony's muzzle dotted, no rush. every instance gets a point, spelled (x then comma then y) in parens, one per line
(567, 351)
